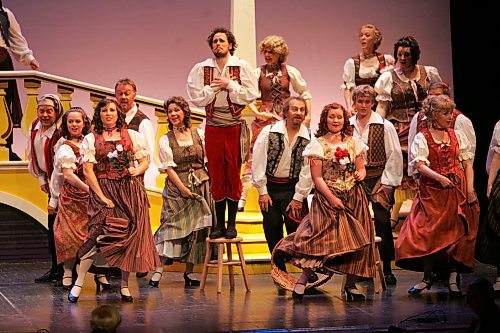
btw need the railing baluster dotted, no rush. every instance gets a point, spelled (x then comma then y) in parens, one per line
(5, 123)
(30, 113)
(65, 93)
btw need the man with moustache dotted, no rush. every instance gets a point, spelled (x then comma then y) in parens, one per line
(125, 92)
(43, 136)
(224, 85)
(384, 168)
(280, 173)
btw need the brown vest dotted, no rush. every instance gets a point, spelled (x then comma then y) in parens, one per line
(189, 159)
(369, 80)
(136, 121)
(404, 105)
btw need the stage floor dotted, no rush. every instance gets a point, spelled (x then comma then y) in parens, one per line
(29, 307)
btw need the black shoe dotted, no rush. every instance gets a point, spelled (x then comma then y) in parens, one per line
(217, 233)
(99, 284)
(126, 298)
(65, 279)
(415, 291)
(71, 298)
(141, 274)
(49, 276)
(351, 296)
(296, 296)
(231, 233)
(153, 283)
(312, 278)
(190, 282)
(455, 293)
(390, 280)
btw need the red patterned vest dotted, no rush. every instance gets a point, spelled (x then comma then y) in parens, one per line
(105, 168)
(48, 150)
(208, 77)
(444, 159)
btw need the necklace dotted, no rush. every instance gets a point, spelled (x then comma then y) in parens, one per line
(180, 128)
(77, 139)
(109, 130)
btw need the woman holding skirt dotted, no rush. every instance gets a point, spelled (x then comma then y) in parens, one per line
(118, 210)
(337, 234)
(186, 215)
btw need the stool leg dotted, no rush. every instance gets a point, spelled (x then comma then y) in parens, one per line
(230, 267)
(220, 266)
(243, 266)
(379, 279)
(205, 265)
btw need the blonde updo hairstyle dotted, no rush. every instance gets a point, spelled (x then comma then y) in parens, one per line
(437, 104)
(377, 34)
(276, 44)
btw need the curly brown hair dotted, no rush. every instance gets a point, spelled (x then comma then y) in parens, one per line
(97, 121)
(230, 38)
(183, 104)
(64, 122)
(323, 121)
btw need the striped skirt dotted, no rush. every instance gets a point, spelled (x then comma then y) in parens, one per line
(127, 240)
(334, 240)
(185, 224)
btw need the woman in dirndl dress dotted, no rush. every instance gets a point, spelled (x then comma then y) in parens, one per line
(338, 233)
(187, 212)
(69, 187)
(120, 230)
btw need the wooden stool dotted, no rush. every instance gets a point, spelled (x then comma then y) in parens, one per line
(220, 262)
(378, 279)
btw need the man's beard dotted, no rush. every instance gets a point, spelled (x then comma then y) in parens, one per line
(218, 54)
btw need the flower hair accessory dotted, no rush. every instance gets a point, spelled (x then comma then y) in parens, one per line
(382, 69)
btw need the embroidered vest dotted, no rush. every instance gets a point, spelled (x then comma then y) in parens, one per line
(275, 151)
(403, 105)
(368, 80)
(443, 160)
(104, 168)
(188, 158)
(208, 77)
(376, 156)
(48, 150)
(274, 89)
(136, 121)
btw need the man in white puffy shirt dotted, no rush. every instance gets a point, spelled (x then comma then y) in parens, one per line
(224, 85)
(384, 168)
(12, 39)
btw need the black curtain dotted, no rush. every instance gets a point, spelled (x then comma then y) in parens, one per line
(474, 61)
